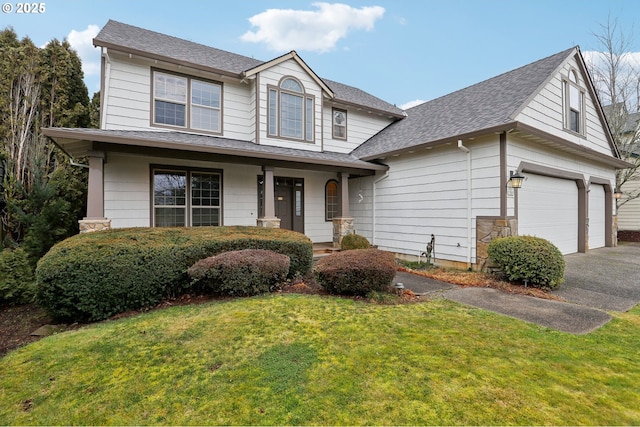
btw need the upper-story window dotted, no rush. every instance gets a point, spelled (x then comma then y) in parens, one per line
(339, 124)
(290, 111)
(573, 103)
(183, 102)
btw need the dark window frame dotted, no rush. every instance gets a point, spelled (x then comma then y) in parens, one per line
(189, 105)
(189, 205)
(331, 201)
(334, 135)
(276, 114)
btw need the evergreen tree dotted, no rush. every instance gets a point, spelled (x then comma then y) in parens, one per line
(43, 196)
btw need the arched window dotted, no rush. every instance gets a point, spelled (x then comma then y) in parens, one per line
(290, 111)
(331, 199)
(573, 103)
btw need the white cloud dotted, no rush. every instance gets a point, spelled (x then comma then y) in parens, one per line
(410, 104)
(318, 30)
(82, 42)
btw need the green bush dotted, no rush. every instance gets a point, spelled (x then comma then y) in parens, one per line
(93, 276)
(17, 284)
(354, 241)
(356, 272)
(240, 273)
(527, 258)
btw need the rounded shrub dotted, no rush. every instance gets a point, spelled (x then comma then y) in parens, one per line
(529, 259)
(240, 273)
(93, 276)
(354, 241)
(17, 283)
(356, 272)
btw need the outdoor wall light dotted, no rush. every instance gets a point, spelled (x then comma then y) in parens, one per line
(617, 193)
(515, 180)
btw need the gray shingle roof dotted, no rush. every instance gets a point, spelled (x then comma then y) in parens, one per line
(485, 105)
(161, 46)
(200, 143)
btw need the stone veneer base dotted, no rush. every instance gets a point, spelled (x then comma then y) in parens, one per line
(91, 225)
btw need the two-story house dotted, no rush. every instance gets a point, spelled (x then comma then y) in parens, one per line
(195, 136)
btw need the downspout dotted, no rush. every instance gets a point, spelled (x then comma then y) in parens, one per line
(373, 205)
(105, 89)
(467, 151)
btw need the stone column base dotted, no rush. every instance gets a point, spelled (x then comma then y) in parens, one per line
(341, 227)
(268, 222)
(90, 225)
(488, 229)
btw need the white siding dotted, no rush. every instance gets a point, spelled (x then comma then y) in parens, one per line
(629, 213)
(128, 95)
(360, 127)
(545, 113)
(426, 194)
(272, 77)
(127, 191)
(128, 98)
(127, 182)
(519, 150)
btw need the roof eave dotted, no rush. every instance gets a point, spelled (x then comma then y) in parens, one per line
(168, 59)
(58, 135)
(442, 141)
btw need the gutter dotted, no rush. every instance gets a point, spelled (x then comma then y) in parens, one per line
(467, 152)
(106, 82)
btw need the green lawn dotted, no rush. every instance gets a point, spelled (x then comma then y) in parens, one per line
(296, 359)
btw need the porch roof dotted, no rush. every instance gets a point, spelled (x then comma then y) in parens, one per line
(82, 142)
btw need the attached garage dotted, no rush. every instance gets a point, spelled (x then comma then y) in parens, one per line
(548, 208)
(597, 216)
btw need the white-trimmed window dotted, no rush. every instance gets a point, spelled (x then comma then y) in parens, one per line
(573, 103)
(187, 103)
(339, 118)
(183, 198)
(290, 111)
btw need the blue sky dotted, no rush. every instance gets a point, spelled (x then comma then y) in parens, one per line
(398, 50)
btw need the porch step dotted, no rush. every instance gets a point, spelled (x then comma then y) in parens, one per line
(323, 249)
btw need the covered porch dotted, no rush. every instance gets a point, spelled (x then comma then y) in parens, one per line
(98, 146)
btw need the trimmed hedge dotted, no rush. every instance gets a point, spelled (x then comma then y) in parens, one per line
(356, 272)
(529, 258)
(354, 241)
(17, 284)
(93, 276)
(240, 273)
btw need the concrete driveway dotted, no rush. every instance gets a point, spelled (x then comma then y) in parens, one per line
(606, 278)
(603, 280)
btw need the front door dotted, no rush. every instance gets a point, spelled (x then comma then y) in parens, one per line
(289, 201)
(284, 206)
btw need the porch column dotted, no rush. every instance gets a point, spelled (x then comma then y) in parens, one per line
(95, 220)
(343, 224)
(268, 219)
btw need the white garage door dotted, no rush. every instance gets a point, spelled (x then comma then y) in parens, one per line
(548, 208)
(596, 216)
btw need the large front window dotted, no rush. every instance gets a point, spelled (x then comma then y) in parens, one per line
(183, 102)
(184, 198)
(290, 111)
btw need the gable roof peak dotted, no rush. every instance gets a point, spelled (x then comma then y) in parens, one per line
(490, 104)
